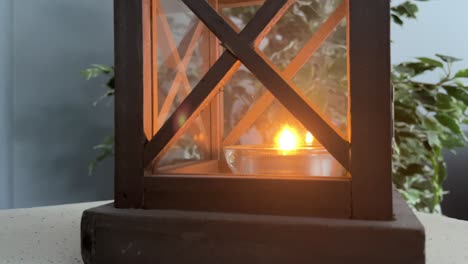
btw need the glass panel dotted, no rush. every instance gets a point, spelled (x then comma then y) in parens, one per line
(290, 34)
(240, 93)
(183, 58)
(308, 44)
(183, 55)
(193, 145)
(261, 136)
(323, 79)
(268, 139)
(239, 16)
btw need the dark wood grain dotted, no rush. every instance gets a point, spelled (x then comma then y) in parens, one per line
(370, 108)
(277, 196)
(129, 132)
(228, 238)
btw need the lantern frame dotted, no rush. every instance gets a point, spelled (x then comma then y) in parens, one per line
(366, 194)
(194, 214)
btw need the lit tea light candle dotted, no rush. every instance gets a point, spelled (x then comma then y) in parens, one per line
(287, 140)
(292, 155)
(309, 138)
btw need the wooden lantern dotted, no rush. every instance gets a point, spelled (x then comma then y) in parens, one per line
(179, 66)
(145, 131)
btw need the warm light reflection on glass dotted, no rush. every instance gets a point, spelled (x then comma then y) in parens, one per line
(287, 139)
(309, 138)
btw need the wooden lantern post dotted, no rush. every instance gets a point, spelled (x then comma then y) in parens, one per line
(197, 212)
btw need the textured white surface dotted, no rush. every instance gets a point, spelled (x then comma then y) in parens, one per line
(446, 239)
(42, 235)
(52, 235)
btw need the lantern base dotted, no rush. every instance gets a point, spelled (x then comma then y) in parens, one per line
(110, 235)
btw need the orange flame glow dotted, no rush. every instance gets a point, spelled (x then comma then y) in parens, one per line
(309, 139)
(287, 139)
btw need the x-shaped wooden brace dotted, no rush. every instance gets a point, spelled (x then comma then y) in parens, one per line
(181, 63)
(291, 70)
(241, 47)
(179, 57)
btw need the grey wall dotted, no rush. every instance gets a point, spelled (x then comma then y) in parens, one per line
(441, 27)
(55, 124)
(5, 104)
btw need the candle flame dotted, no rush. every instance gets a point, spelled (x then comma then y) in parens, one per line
(287, 139)
(309, 138)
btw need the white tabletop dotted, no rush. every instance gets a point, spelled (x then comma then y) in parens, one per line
(52, 235)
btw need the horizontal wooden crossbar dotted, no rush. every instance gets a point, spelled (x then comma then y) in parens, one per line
(209, 85)
(239, 3)
(282, 89)
(306, 196)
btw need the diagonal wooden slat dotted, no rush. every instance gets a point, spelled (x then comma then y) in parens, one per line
(282, 89)
(299, 60)
(186, 49)
(209, 85)
(317, 39)
(173, 60)
(185, 43)
(181, 78)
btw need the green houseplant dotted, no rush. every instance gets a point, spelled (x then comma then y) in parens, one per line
(428, 118)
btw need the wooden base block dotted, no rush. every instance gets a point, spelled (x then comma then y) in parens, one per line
(117, 236)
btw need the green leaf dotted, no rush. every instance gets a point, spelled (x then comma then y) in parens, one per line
(91, 73)
(442, 171)
(412, 196)
(103, 68)
(397, 20)
(111, 83)
(444, 101)
(448, 59)
(432, 62)
(453, 142)
(96, 70)
(462, 74)
(431, 123)
(449, 122)
(106, 149)
(433, 139)
(416, 67)
(403, 69)
(460, 93)
(406, 9)
(428, 118)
